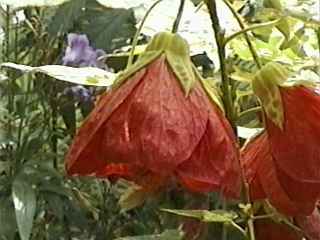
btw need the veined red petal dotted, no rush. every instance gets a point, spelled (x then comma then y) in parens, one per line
(214, 163)
(252, 157)
(296, 147)
(86, 154)
(265, 181)
(157, 126)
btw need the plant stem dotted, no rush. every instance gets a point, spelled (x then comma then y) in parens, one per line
(136, 36)
(7, 58)
(318, 37)
(251, 110)
(225, 81)
(256, 26)
(178, 18)
(226, 84)
(246, 36)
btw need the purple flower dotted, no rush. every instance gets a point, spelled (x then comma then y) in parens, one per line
(80, 53)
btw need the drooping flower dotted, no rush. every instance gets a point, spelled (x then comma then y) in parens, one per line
(158, 125)
(79, 52)
(283, 164)
(267, 181)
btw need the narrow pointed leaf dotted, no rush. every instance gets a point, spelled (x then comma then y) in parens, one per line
(24, 199)
(205, 215)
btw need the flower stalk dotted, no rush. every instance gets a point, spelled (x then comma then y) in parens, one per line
(219, 36)
(178, 18)
(246, 36)
(136, 36)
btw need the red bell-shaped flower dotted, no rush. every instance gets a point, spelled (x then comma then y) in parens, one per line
(284, 162)
(266, 180)
(157, 125)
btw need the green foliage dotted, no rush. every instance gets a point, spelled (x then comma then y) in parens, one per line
(108, 28)
(24, 199)
(66, 16)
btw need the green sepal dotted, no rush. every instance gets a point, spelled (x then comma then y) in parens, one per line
(145, 58)
(211, 89)
(177, 53)
(266, 86)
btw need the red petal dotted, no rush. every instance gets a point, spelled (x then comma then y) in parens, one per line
(261, 171)
(268, 230)
(252, 156)
(299, 190)
(214, 163)
(86, 154)
(157, 127)
(296, 148)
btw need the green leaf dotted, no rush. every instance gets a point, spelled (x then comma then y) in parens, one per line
(166, 235)
(7, 219)
(84, 76)
(32, 3)
(284, 27)
(24, 199)
(133, 197)
(218, 216)
(276, 4)
(66, 16)
(108, 28)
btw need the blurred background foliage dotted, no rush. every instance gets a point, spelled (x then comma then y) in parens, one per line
(39, 115)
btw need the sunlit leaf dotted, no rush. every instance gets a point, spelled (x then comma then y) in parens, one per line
(133, 197)
(24, 199)
(247, 133)
(85, 76)
(34, 3)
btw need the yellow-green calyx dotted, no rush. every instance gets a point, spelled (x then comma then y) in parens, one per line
(176, 51)
(266, 86)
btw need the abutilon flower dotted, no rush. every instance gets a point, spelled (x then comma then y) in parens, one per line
(159, 124)
(283, 163)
